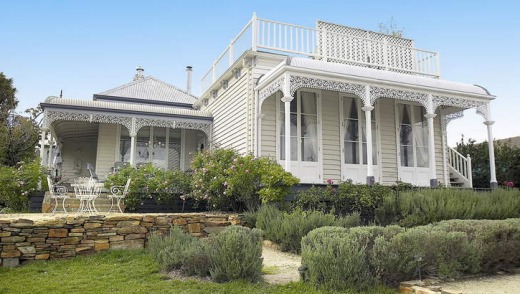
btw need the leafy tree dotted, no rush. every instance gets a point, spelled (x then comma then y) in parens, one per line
(8, 99)
(18, 134)
(507, 162)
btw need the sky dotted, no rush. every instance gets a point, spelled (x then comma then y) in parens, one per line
(86, 47)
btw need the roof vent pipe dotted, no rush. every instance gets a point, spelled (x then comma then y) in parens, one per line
(188, 82)
(139, 73)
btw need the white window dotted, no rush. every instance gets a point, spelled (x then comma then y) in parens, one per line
(355, 139)
(413, 136)
(304, 128)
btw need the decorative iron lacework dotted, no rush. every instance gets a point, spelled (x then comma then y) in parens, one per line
(298, 82)
(483, 111)
(152, 122)
(452, 116)
(52, 116)
(274, 87)
(201, 126)
(378, 92)
(456, 102)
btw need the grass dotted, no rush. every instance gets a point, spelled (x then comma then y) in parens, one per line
(270, 270)
(123, 272)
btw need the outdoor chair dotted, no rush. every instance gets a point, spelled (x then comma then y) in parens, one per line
(118, 193)
(57, 193)
(87, 191)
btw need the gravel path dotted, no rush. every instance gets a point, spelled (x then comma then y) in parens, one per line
(497, 284)
(283, 265)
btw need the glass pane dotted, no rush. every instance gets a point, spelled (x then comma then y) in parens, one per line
(422, 156)
(174, 149)
(374, 142)
(352, 130)
(282, 124)
(309, 126)
(124, 145)
(282, 147)
(308, 103)
(159, 146)
(405, 114)
(294, 105)
(406, 155)
(294, 148)
(294, 122)
(405, 135)
(142, 145)
(309, 149)
(351, 152)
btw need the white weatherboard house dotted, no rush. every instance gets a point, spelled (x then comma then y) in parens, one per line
(329, 102)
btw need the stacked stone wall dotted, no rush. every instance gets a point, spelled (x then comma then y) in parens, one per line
(30, 237)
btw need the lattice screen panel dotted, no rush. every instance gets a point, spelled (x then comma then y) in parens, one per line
(353, 46)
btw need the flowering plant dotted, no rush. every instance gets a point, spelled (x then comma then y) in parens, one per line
(228, 180)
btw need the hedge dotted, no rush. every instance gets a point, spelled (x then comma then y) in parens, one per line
(362, 257)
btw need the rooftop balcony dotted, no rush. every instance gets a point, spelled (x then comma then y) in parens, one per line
(328, 42)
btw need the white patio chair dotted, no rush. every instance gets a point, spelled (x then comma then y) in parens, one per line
(86, 192)
(119, 193)
(57, 193)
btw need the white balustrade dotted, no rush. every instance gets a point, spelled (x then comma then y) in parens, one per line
(273, 36)
(461, 166)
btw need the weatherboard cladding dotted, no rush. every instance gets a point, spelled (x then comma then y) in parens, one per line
(151, 88)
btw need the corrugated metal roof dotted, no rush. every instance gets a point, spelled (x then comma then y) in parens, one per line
(383, 75)
(125, 107)
(151, 88)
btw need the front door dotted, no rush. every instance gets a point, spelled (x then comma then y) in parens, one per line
(412, 134)
(306, 162)
(354, 141)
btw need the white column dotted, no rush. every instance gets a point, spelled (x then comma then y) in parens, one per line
(493, 176)
(42, 145)
(49, 153)
(368, 126)
(287, 104)
(132, 148)
(431, 150)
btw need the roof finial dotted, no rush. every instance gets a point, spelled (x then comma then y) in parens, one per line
(139, 73)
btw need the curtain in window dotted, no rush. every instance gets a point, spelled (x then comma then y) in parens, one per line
(294, 122)
(405, 135)
(309, 127)
(351, 139)
(420, 134)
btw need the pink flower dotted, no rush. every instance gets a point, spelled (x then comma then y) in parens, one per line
(510, 184)
(330, 182)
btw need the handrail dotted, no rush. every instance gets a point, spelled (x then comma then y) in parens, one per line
(461, 165)
(326, 45)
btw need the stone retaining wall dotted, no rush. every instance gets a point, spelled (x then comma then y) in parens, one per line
(37, 237)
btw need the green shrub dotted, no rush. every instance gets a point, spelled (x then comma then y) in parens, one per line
(149, 181)
(269, 219)
(287, 229)
(18, 182)
(344, 200)
(349, 221)
(426, 206)
(236, 254)
(229, 181)
(250, 219)
(388, 255)
(179, 250)
(334, 260)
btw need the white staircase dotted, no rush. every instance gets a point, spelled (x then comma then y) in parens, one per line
(460, 169)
